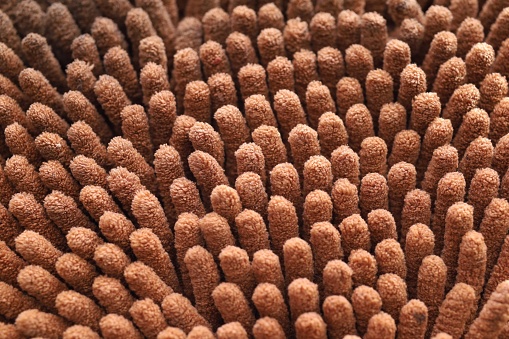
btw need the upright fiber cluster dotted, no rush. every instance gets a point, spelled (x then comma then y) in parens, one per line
(230, 169)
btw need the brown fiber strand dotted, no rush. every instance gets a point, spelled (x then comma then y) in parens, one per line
(135, 128)
(438, 133)
(451, 189)
(252, 192)
(280, 74)
(458, 221)
(322, 28)
(31, 216)
(12, 64)
(469, 32)
(216, 233)
(359, 62)
(113, 325)
(381, 225)
(20, 142)
(87, 171)
(331, 67)
(463, 99)
(41, 58)
(111, 259)
(14, 302)
(34, 322)
(112, 98)
(187, 235)
(390, 258)
(186, 197)
(80, 77)
(76, 272)
(303, 297)
(374, 34)
(317, 208)
(455, 310)
(318, 102)
(413, 320)
(472, 258)
(143, 281)
(451, 75)
(149, 213)
(38, 89)
(124, 185)
(364, 268)
(123, 153)
(259, 112)
(240, 51)
(493, 229)
(196, 101)
(231, 330)
(244, 20)
(493, 89)
(53, 149)
(105, 287)
(213, 58)
(11, 228)
(233, 305)
(199, 332)
(208, 173)
(373, 193)
(235, 264)
(249, 158)
(359, 125)
(326, 244)
(431, 286)
(216, 24)
(61, 30)
(83, 241)
(79, 331)
(401, 179)
(419, 243)
(345, 200)
(148, 317)
(152, 50)
(391, 122)
(477, 155)
(269, 139)
(204, 278)
(296, 36)
(366, 302)
(283, 223)
(331, 133)
(339, 316)
(153, 79)
(267, 268)
(304, 64)
(348, 27)
(443, 161)
(189, 33)
(345, 164)
(500, 154)
(493, 316)
(270, 15)
(252, 232)
(381, 325)
(267, 327)
(226, 202)
(56, 177)
(500, 64)
(148, 248)
(298, 260)
(178, 311)
(97, 200)
(10, 264)
(106, 34)
(310, 325)
(483, 188)
(79, 309)
(498, 120)
(412, 83)
(116, 228)
(7, 87)
(269, 302)
(12, 112)
(354, 234)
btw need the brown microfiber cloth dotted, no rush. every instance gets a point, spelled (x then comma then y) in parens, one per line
(254, 169)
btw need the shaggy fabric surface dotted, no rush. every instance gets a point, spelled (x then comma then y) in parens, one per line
(308, 169)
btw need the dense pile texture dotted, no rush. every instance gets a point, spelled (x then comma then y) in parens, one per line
(237, 169)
